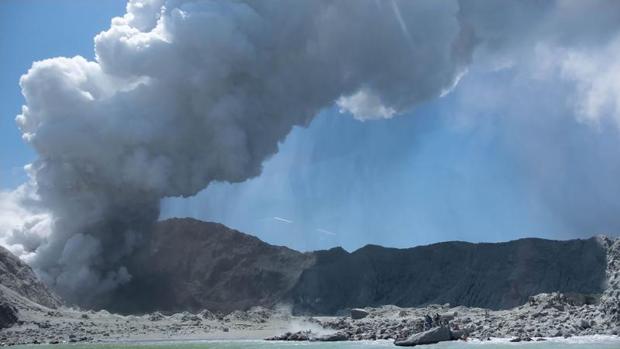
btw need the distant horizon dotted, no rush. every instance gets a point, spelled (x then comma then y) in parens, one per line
(352, 250)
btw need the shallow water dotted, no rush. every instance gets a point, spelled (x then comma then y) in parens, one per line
(240, 344)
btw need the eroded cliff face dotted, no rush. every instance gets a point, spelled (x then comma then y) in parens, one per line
(17, 276)
(495, 276)
(192, 265)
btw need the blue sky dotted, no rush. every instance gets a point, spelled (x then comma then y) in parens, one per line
(34, 30)
(477, 164)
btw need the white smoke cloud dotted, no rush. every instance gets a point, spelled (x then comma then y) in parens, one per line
(596, 75)
(24, 227)
(364, 105)
(183, 93)
(186, 92)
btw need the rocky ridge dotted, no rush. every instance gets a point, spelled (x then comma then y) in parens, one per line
(191, 265)
(17, 276)
(495, 276)
(543, 316)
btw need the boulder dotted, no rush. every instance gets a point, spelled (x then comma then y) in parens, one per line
(156, 316)
(187, 317)
(357, 313)
(334, 337)
(432, 336)
(8, 315)
(207, 315)
(448, 316)
(458, 334)
(584, 324)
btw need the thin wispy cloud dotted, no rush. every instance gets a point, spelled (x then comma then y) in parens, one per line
(324, 231)
(401, 21)
(283, 220)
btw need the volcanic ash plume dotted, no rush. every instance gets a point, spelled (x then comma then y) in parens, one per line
(183, 93)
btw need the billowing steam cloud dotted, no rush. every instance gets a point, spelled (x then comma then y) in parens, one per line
(183, 93)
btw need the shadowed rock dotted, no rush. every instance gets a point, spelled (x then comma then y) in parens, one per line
(357, 313)
(193, 265)
(432, 336)
(8, 315)
(489, 275)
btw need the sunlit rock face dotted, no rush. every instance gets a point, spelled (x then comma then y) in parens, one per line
(18, 277)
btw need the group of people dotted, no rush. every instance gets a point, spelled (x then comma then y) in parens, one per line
(434, 321)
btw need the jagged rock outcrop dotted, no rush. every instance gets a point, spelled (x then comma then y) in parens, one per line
(20, 289)
(20, 278)
(610, 299)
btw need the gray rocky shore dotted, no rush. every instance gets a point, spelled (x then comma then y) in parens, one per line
(545, 315)
(37, 325)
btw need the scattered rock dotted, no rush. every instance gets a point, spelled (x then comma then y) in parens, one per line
(432, 336)
(156, 316)
(207, 315)
(334, 337)
(186, 317)
(294, 336)
(358, 313)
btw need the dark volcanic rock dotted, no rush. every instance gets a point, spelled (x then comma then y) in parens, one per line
(19, 277)
(495, 276)
(194, 265)
(357, 313)
(334, 337)
(8, 315)
(432, 336)
(298, 336)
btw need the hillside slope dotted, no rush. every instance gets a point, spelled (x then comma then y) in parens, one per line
(495, 276)
(17, 276)
(193, 265)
